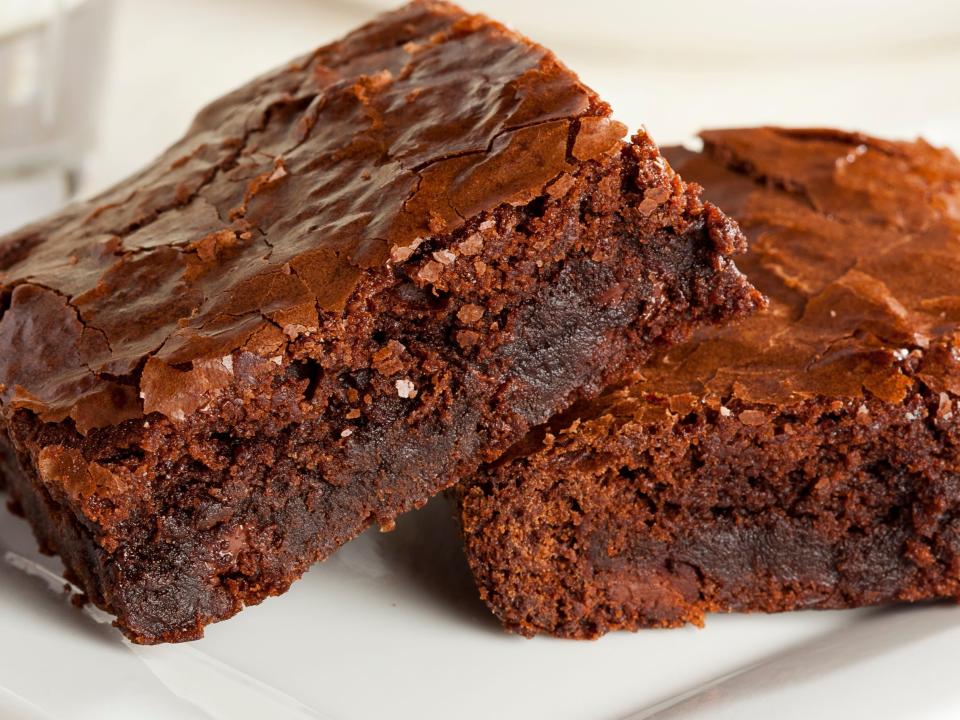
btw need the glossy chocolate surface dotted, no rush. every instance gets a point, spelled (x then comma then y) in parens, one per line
(256, 227)
(856, 241)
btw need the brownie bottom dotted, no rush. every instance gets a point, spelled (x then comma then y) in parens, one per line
(655, 525)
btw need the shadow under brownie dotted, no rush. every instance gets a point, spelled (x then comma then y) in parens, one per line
(353, 281)
(807, 457)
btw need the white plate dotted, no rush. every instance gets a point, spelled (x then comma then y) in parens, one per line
(390, 628)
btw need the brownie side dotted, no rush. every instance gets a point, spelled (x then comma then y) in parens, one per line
(287, 330)
(806, 457)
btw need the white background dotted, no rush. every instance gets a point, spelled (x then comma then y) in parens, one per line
(390, 626)
(886, 66)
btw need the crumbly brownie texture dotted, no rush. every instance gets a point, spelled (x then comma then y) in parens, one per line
(808, 457)
(350, 283)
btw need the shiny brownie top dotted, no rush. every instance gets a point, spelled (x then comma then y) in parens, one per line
(281, 199)
(856, 242)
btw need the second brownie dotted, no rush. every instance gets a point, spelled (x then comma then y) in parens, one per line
(807, 457)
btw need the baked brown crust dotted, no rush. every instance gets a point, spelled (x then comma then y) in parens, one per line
(275, 206)
(807, 456)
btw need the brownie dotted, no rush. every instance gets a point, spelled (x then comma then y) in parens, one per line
(807, 457)
(352, 281)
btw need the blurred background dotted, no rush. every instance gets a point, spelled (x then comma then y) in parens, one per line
(92, 89)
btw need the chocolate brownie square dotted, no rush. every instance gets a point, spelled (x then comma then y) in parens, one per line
(807, 457)
(353, 280)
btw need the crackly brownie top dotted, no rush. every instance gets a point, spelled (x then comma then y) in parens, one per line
(856, 241)
(266, 216)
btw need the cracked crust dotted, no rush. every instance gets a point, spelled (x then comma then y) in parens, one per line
(854, 242)
(807, 456)
(282, 198)
(355, 279)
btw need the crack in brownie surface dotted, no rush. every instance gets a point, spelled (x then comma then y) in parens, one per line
(808, 456)
(353, 280)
